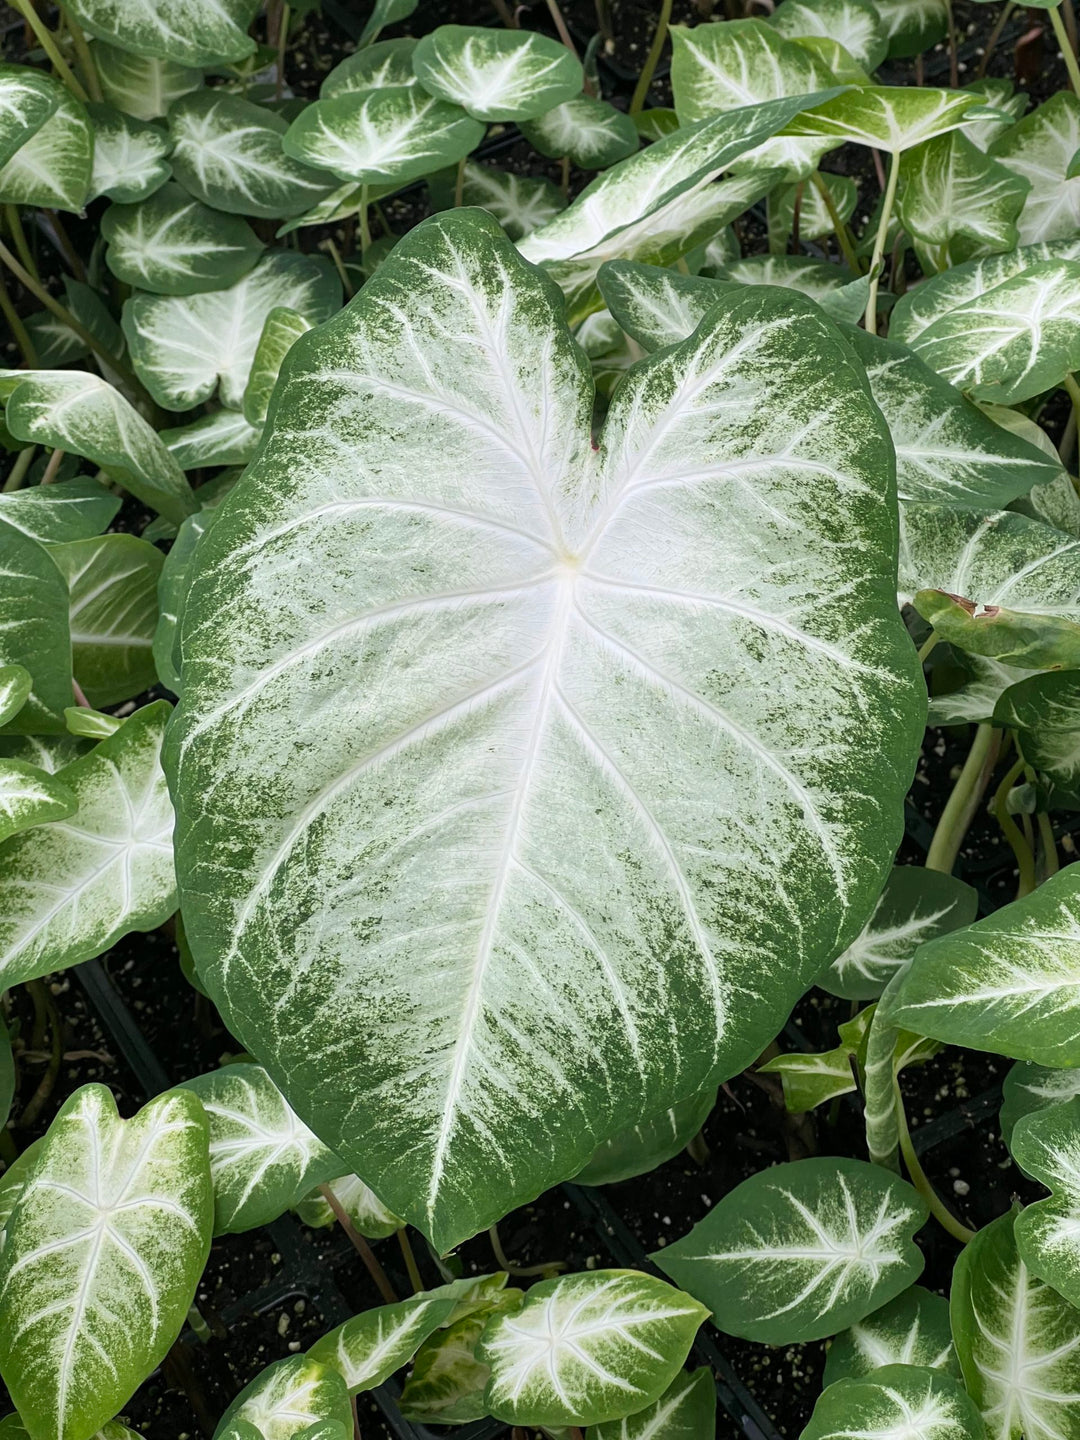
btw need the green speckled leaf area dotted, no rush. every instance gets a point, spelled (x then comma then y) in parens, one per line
(371, 1346)
(34, 630)
(528, 860)
(183, 32)
(1046, 1144)
(587, 1348)
(29, 796)
(27, 99)
(101, 1257)
(898, 1402)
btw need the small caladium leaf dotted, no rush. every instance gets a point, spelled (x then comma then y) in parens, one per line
(223, 437)
(186, 32)
(913, 1329)
(1046, 1145)
(497, 75)
(92, 724)
(184, 347)
(383, 13)
(948, 451)
(171, 244)
(649, 1144)
(997, 95)
(1039, 150)
(446, 1383)
(34, 630)
(27, 98)
(281, 330)
(29, 796)
(685, 1411)
(55, 343)
(263, 1158)
(367, 1349)
(360, 1203)
(53, 168)
(374, 67)
(590, 131)
(1044, 710)
(655, 306)
(1030, 1088)
(1009, 983)
(101, 1258)
(129, 155)
(382, 136)
(957, 203)
(833, 289)
(71, 889)
(534, 910)
(815, 222)
(66, 510)
(520, 203)
(912, 26)
(112, 588)
(228, 153)
(802, 1250)
(916, 905)
(140, 85)
(83, 414)
(1016, 637)
(284, 1399)
(1018, 1341)
(16, 682)
(888, 117)
(587, 1348)
(810, 1080)
(731, 64)
(898, 1400)
(854, 24)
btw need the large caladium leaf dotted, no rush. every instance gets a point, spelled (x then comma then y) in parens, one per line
(185, 346)
(171, 244)
(27, 98)
(887, 117)
(685, 1411)
(802, 1250)
(101, 1257)
(227, 152)
(592, 133)
(141, 85)
(1039, 150)
(70, 889)
(1009, 983)
(183, 32)
(284, 1400)
(958, 203)
(367, 1349)
(896, 1401)
(913, 1329)
(545, 645)
(54, 167)
(496, 75)
(1018, 1341)
(263, 1157)
(85, 415)
(129, 155)
(1029, 1088)
(587, 1348)
(635, 1151)
(1046, 1144)
(34, 630)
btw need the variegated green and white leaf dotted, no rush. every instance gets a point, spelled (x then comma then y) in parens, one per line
(898, 1402)
(513, 493)
(85, 415)
(1018, 1341)
(446, 1383)
(655, 306)
(912, 26)
(48, 752)
(281, 330)
(382, 136)
(1045, 712)
(815, 221)
(852, 23)
(55, 343)
(101, 1258)
(590, 131)
(916, 905)
(360, 1203)
(383, 13)
(16, 682)
(53, 168)
(129, 156)
(1009, 983)
(263, 1158)
(888, 117)
(90, 724)
(382, 66)
(957, 203)
(497, 75)
(171, 244)
(810, 1080)
(1039, 150)
(285, 1399)
(140, 85)
(587, 1348)
(913, 1329)
(228, 153)
(1046, 1145)
(34, 630)
(520, 203)
(67, 510)
(27, 98)
(648, 1144)
(996, 94)
(112, 595)
(839, 295)
(733, 64)
(367, 1349)
(29, 796)
(12, 1428)
(184, 347)
(802, 1250)
(172, 596)
(183, 32)
(70, 889)
(1030, 1088)
(223, 437)
(685, 1411)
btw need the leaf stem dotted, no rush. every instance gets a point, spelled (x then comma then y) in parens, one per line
(18, 329)
(47, 41)
(994, 36)
(927, 646)
(641, 89)
(941, 1213)
(1073, 390)
(551, 1267)
(879, 242)
(17, 474)
(1051, 864)
(84, 54)
(361, 1246)
(1025, 861)
(18, 235)
(459, 184)
(843, 239)
(52, 467)
(365, 222)
(415, 1278)
(1068, 54)
(954, 59)
(962, 803)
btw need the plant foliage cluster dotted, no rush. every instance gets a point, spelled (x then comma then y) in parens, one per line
(548, 604)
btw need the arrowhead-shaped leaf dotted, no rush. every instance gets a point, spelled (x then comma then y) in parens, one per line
(913, 1329)
(367, 1349)
(53, 168)
(374, 67)
(957, 203)
(590, 131)
(854, 24)
(129, 155)
(286, 1398)
(887, 117)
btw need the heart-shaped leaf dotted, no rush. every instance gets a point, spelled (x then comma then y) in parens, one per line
(1039, 150)
(896, 1401)
(73, 888)
(852, 23)
(1046, 1145)
(591, 666)
(957, 203)
(101, 1257)
(27, 98)
(129, 156)
(34, 629)
(1029, 1088)
(802, 1250)
(592, 133)
(375, 67)
(913, 1329)
(633, 1152)
(284, 1399)
(53, 169)
(496, 75)
(184, 32)
(141, 85)
(171, 244)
